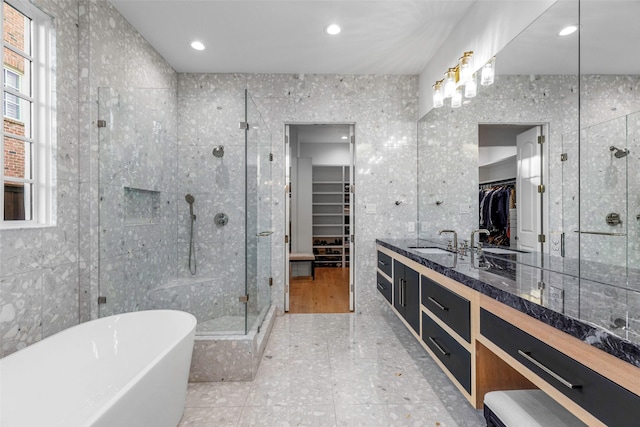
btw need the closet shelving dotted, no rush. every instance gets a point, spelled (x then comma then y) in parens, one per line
(331, 215)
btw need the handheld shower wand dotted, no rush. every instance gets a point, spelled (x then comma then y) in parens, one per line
(192, 247)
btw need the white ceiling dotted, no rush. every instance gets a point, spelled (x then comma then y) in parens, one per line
(609, 36)
(286, 36)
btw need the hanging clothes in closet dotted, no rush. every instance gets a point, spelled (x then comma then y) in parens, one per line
(495, 202)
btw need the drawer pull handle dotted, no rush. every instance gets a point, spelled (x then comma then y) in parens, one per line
(439, 347)
(382, 262)
(548, 371)
(381, 286)
(440, 306)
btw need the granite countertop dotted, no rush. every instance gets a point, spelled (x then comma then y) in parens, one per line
(513, 280)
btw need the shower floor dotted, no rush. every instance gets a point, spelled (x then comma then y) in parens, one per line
(225, 325)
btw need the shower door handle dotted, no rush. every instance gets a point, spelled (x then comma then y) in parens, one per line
(264, 233)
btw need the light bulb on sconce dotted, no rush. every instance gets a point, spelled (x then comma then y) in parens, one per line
(456, 99)
(465, 68)
(471, 87)
(438, 99)
(449, 83)
(488, 72)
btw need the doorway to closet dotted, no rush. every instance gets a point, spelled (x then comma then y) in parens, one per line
(319, 218)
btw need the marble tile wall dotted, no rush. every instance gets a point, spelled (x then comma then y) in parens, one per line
(121, 75)
(384, 110)
(39, 267)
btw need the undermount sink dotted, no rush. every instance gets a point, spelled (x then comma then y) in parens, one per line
(431, 251)
(500, 251)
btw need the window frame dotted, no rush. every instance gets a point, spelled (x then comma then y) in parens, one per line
(41, 99)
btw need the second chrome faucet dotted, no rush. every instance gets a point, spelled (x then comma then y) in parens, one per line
(455, 237)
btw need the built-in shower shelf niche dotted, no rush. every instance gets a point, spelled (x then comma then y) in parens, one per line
(141, 206)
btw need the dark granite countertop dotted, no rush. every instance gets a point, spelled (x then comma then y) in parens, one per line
(512, 279)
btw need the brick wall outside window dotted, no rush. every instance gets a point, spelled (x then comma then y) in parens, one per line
(14, 154)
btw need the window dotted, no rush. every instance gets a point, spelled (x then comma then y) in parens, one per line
(11, 102)
(27, 131)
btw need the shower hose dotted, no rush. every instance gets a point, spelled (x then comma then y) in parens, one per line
(192, 248)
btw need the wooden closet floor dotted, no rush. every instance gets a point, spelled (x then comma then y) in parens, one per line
(328, 293)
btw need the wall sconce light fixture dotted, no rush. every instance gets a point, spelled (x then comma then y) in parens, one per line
(465, 67)
(463, 74)
(488, 72)
(438, 99)
(449, 83)
(456, 99)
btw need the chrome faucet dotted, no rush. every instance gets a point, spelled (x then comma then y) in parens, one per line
(481, 265)
(455, 237)
(473, 235)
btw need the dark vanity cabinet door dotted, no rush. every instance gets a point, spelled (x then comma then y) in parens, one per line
(384, 263)
(406, 293)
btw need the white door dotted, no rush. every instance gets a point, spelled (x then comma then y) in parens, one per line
(528, 199)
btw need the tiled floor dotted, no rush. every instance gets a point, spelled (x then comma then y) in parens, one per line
(335, 370)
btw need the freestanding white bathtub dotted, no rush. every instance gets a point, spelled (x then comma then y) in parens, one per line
(120, 371)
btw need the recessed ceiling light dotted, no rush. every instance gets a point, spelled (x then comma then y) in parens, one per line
(332, 29)
(568, 30)
(197, 45)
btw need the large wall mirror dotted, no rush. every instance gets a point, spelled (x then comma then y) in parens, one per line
(581, 94)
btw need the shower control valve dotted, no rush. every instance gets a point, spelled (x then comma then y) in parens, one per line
(221, 219)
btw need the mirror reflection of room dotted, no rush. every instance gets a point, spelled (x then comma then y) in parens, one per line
(509, 171)
(320, 225)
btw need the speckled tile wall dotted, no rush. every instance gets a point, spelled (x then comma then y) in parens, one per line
(125, 82)
(39, 267)
(384, 110)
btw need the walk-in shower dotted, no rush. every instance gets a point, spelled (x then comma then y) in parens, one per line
(149, 165)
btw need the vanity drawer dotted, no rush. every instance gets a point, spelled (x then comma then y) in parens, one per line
(448, 306)
(455, 357)
(385, 263)
(385, 287)
(607, 401)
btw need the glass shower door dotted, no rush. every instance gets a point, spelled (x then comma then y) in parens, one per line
(258, 216)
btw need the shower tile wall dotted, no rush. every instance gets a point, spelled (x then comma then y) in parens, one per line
(210, 108)
(122, 74)
(39, 267)
(384, 110)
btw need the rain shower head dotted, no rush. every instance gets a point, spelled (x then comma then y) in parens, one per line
(218, 151)
(618, 152)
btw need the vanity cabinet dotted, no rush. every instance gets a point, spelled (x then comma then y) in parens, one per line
(606, 400)
(406, 294)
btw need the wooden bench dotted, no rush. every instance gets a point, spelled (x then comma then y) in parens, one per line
(305, 257)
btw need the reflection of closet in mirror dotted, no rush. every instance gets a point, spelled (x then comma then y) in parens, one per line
(510, 173)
